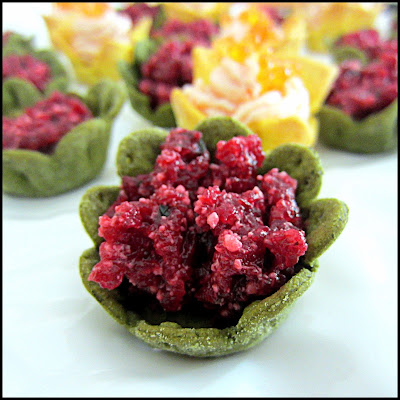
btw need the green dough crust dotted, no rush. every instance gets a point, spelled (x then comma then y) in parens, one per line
(215, 129)
(137, 152)
(163, 115)
(324, 220)
(342, 53)
(19, 93)
(78, 157)
(373, 134)
(17, 44)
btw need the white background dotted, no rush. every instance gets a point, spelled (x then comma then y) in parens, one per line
(339, 340)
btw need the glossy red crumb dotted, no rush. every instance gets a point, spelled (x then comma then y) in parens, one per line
(27, 68)
(145, 242)
(200, 31)
(361, 90)
(239, 160)
(171, 65)
(205, 245)
(41, 126)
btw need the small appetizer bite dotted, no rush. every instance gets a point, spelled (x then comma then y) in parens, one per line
(60, 142)
(95, 36)
(207, 244)
(162, 63)
(275, 96)
(360, 113)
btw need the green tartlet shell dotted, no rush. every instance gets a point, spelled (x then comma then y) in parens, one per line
(17, 44)
(18, 93)
(78, 157)
(373, 134)
(342, 53)
(324, 221)
(163, 115)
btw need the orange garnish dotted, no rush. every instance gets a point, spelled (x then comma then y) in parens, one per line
(274, 74)
(261, 27)
(261, 34)
(88, 9)
(227, 47)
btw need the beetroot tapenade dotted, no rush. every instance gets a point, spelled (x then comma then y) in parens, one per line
(255, 228)
(41, 126)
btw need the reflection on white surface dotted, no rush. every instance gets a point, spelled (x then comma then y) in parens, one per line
(339, 340)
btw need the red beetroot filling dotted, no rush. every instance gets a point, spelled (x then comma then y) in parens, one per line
(362, 90)
(238, 164)
(44, 124)
(27, 68)
(203, 245)
(171, 65)
(139, 10)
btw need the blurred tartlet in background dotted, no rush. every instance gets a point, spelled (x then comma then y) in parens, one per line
(360, 114)
(326, 22)
(60, 142)
(275, 96)
(28, 73)
(262, 29)
(162, 62)
(94, 36)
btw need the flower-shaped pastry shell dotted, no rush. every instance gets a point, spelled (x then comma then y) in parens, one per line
(181, 333)
(316, 76)
(25, 93)
(130, 72)
(77, 158)
(103, 63)
(375, 133)
(332, 20)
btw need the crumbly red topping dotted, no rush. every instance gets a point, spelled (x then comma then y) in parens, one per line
(41, 126)
(361, 90)
(28, 68)
(185, 243)
(171, 65)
